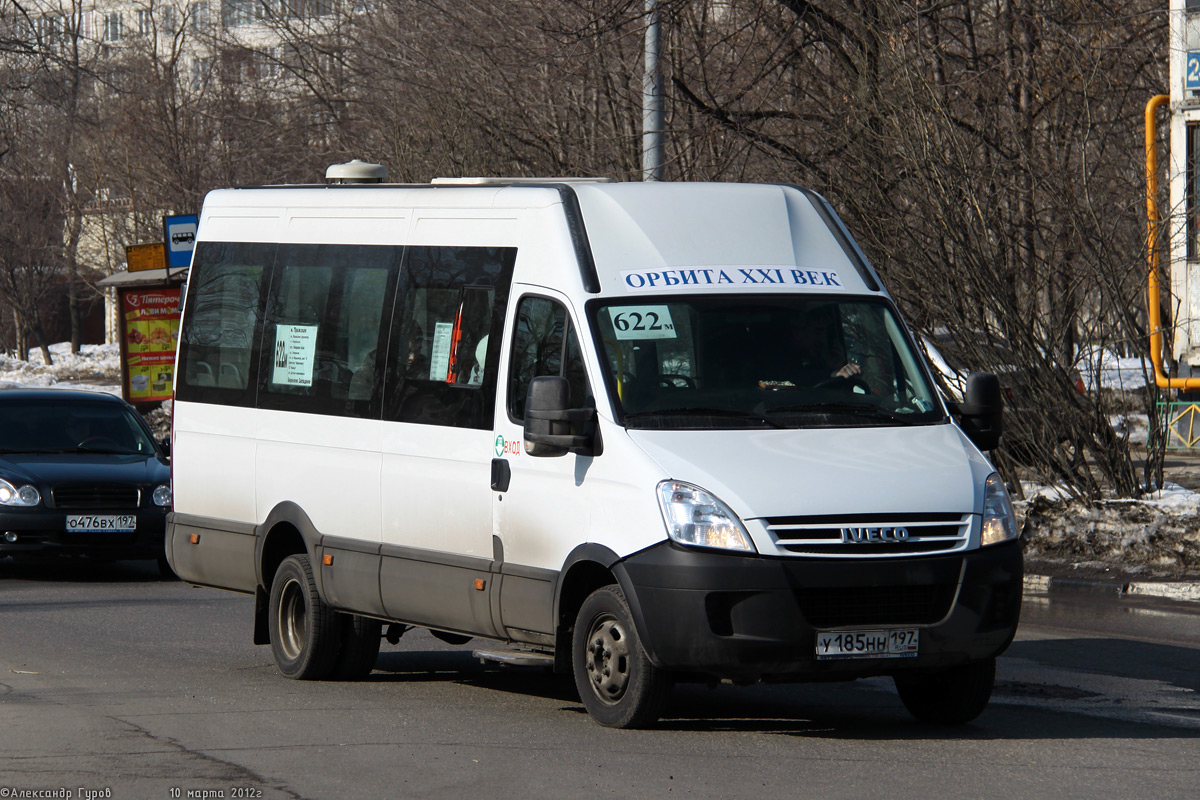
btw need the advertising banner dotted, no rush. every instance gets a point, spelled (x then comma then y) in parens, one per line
(149, 336)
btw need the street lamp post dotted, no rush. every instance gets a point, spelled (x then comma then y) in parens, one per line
(652, 100)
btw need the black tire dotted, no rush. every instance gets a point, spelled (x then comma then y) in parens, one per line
(360, 648)
(305, 633)
(618, 685)
(952, 697)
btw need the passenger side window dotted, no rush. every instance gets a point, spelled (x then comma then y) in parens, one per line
(222, 322)
(545, 344)
(325, 317)
(445, 337)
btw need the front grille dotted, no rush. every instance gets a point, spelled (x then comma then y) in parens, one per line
(875, 605)
(101, 538)
(870, 535)
(96, 497)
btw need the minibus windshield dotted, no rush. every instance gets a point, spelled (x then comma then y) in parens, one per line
(791, 361)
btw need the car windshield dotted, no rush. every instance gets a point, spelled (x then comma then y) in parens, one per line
(710, 362)
(70, 426)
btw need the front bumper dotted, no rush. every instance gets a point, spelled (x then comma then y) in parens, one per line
(755, 618)
(44, 532)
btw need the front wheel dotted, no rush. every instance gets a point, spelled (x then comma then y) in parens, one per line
(618, 685)
(951, 697)
(305, 633)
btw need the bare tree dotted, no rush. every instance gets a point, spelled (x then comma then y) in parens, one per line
(981, 150)
(29, 243)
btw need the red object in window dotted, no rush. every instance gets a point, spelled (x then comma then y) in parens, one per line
(455, 338)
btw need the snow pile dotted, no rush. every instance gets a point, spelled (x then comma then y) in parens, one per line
(1174, 498)
(96, 366)
(1112, 371)
(1156, 535)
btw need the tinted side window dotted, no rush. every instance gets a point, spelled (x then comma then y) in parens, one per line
(222, 322)
(545, 344)
(445, 338)
(324, 322)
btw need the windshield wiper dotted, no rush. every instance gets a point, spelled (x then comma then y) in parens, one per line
(700, 411)
(104, 451)
(854, 409)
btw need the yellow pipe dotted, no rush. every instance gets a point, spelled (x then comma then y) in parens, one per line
(1155, 319)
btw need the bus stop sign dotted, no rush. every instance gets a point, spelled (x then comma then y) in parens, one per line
(179, 233)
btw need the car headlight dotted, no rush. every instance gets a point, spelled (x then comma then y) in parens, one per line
(13, 496)
(999, 523)
(162, 495)
(694, 517)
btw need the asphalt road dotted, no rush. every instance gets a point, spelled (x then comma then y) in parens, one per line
(117, 683)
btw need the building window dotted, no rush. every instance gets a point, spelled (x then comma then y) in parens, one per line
(236, 13)
(145, 22)
(1191, 204)
(305, 9)
(113, 26)
(200, 73)
(49, 28)
(199, 15)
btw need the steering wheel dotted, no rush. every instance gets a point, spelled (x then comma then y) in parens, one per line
(672, 381)
(844, 382)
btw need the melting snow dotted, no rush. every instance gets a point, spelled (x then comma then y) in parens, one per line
(96, 367)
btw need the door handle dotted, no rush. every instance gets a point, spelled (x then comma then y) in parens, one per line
(501, 474)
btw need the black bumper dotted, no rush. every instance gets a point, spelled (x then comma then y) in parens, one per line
(754, 618)
(44, 532)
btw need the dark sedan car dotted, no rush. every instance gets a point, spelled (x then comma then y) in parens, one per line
(80, 474)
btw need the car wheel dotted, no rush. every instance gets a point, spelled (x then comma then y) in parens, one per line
(305, 633)
(616, 681)
(951, 697)
(360, 648)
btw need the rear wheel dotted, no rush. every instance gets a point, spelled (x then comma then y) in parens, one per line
(952, 697)
(305, 633)
(360, 648)
(616, 681)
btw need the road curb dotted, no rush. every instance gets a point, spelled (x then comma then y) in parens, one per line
(1185, 591)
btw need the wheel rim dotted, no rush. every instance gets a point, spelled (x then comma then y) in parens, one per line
(292, 615)
(608, 659)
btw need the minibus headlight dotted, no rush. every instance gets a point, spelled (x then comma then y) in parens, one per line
(999, 522)
(694, 517)
(13, 496)
(162, 495)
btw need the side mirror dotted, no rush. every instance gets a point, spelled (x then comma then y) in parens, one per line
(981, 413)
(548, 420)
(166, 446)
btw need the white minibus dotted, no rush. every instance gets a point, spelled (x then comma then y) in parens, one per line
(639, 432)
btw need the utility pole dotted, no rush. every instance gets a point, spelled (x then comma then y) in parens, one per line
(652, 100)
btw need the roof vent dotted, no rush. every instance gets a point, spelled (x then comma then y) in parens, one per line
(356, 171)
